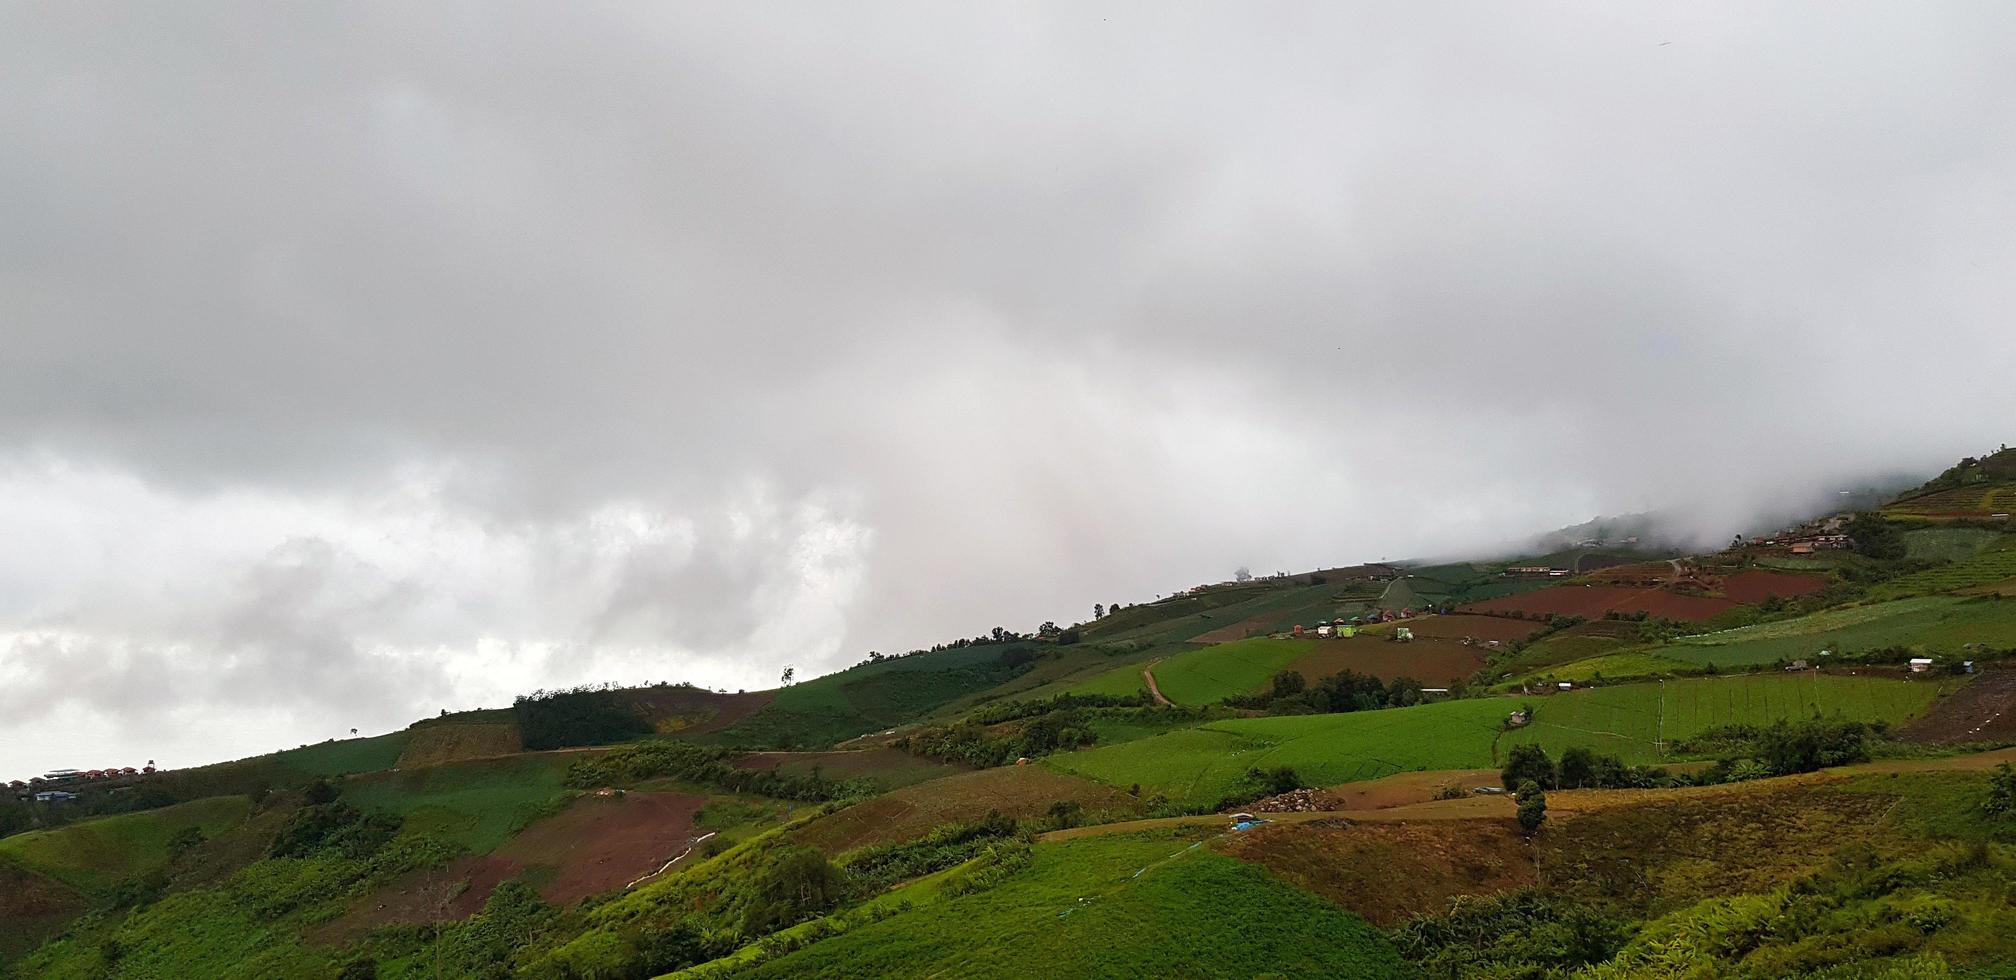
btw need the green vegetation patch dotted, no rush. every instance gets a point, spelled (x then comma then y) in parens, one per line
(1985, 568)
(1195, 767)
(873, 697)
(1615, 666)
(343, 757)
(1121, 906)
(476, 804)
(97, 854)
(1629, 721)
(1215, 673)
(1930, 623)
(1946, 543)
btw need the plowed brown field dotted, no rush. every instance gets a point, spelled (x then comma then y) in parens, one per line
(1755, 586)
(1434, 662)
(1592, 601)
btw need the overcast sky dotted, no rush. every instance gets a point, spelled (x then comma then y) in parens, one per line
(361, 360)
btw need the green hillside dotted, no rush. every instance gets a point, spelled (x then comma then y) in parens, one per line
(1197, 766)
(1143, 905)
(98, 854)
(1931, 624)
(1208, 675)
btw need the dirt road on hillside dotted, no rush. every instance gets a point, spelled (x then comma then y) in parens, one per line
(1148, 674)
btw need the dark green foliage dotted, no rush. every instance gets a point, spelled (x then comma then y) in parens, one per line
(361, 968)
(335, 827)
(1260, 784)
(485, 945)
(1290, 694)
(1528, 763)
(1524, 934)
(1812, 745)
(185, 840)
(139, 890)
(320, 792)
(995, 714)
(1875, 537)
(2002, 792)
(707, 766)
(881, 865)
(798, 884)
(578, 716)
(1532, 806)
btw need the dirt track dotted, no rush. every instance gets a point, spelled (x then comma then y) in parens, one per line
(1148, 674)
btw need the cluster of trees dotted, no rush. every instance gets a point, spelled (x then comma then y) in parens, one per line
(973, 743)
(995, 714)
(1579, 768)
(1258, 784)
(1875, 537)
(1782, 749)
(326, 823)
(1290, 693)
(707, 766)
(587, 715)
(1523, 934)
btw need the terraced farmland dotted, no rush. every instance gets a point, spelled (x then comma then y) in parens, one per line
(1200, 765)
(1124, 905)
(1983, 569)
(1208, 675)
(1934, 624)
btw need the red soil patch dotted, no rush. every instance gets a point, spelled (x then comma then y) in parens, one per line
(1984, 710)
(1458, 626)
(693, 710)
(1434, 662)
(1592, 601)
(1755, 586)
(1391, 872)
(599, 844)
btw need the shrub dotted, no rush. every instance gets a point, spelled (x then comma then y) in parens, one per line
(1528, 763)
(1532, 806)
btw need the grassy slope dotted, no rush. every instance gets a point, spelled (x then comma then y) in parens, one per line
(1994, 565)
(1205, 676)
(825, 711)
(1947, 543)
(97, 854)
(345, 756)
(1931, 623)
(476, 804)
(1199, 765)
(1123, 906)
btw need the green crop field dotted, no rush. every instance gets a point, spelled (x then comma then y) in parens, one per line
(1142, 905)
(1947, 543)
(1630, 720)
(1986, 568)
(1614, 666)
(344, 756)
(1208, 675)
(1200, 765)
(476, 804)
(97, 854)
(1935, 624)
(825, 711)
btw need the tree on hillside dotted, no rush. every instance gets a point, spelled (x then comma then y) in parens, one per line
(1578, 768)
(1875, 537)
(1532, 806)
(1098, 610)
(1528, 763)
(789, 672)
(1244, 574)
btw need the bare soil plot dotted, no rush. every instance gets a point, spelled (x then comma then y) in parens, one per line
(1592, 601)
(1435, 662)
(1390, 872)
(1982, 711)
(1456, 626)
(1016, 791)
(1756, 586)
(1407, 788)
(599, 844)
